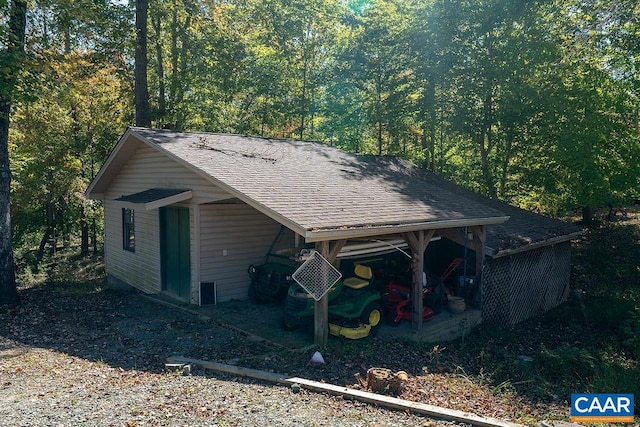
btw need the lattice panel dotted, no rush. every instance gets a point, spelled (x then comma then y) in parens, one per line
(316, 275)
(517, 287)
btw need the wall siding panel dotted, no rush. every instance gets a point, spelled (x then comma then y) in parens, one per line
(245, 234)
(149, 168)
(141, 268)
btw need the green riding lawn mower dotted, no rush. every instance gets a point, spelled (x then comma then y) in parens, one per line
(355, 307)
(271, 280)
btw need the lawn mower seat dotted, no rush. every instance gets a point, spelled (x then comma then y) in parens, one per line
(363, 275)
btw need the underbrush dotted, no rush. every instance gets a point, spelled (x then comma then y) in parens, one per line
(590, 344)
(65, 272)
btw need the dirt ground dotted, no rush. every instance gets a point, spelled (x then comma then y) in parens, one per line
(72, 356)
(76, 351)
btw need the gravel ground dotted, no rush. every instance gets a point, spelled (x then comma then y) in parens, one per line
(75, 356)
(73, 353)
(55, 389)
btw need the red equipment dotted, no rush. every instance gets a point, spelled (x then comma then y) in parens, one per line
(396, 301)
(455, 263)
(397, 298)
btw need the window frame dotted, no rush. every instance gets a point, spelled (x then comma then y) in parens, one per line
(128, 230)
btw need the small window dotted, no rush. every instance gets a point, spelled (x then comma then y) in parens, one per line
(128, 230)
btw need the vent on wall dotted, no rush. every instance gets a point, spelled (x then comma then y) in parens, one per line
(207, 293)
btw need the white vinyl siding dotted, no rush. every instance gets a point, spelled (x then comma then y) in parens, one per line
(245, 234)
(141, 268)
(147, 168)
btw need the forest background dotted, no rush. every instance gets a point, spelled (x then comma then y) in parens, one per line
(532, 102)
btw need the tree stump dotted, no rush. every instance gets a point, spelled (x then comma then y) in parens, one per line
(384, 381)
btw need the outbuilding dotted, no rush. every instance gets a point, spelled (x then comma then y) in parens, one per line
(187, 212)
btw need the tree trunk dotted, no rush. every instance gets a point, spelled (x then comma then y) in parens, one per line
(379, 114)
(162, 106)
(429, 126)
(84, 233)
(485, 143)
(94, 236)
(8, 290)
(14, 51)
(586, 215)
(506, 160)
(173, 87)
(305, 79)
(49, 234)
(303, 101)
(143, 116)
(182, 77)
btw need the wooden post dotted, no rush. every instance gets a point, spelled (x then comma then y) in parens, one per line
(335, 250)
(418, 245)
(418, 268)
(480, 234)
(321, 308)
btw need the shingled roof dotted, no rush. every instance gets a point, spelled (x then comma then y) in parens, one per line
(322, 192)
(525, 229)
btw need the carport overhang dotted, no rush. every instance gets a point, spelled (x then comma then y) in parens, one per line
(329, 242)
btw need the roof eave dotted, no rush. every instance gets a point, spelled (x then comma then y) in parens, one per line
(160, 201)
(319, 235)
(547, 242)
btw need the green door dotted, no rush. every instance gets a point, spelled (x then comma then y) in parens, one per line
(175, 254)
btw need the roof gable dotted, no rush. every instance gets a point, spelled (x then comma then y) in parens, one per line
(126, 146)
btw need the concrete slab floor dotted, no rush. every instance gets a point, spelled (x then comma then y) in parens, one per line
(264, 322)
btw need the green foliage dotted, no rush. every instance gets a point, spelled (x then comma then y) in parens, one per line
(535, 103)
(567, 362)
(614, 376)
(58, 143)
(631, 329)
(615, 274)
(608, 310)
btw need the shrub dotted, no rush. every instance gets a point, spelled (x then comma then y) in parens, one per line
(567, 362)
(631, 331)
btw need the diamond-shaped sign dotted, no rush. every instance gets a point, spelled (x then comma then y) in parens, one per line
(316, 275)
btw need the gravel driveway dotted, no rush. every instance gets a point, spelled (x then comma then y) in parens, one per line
(74, 356)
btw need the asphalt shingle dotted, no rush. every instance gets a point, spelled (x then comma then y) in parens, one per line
(319, 187)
